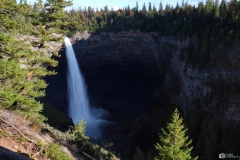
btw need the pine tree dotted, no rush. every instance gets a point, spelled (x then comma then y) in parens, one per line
(144, 9)
(174, 144)
(137, 6)
(21, 67)
(139, 155)
(160, 10)
(53, 15)
(150, 7)
(77, 135)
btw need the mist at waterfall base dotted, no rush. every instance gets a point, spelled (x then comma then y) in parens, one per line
(79, 107)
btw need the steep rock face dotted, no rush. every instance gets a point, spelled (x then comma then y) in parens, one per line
(232, 111)
(183, 84)
(122, 71)
(151, 55)
(121, 68)
(186, 85)
(129, 51)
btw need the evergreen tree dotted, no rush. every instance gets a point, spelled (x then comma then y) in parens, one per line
(150, 7)
(53, 15)
(77, 135)
(183, 4)
(139, 155)
(223, 9)
(144, 9)
(22, 68)
(154, 9)
(174, 144)
(160, 10)
(137, 6)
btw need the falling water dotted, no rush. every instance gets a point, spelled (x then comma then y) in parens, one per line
(79, 107)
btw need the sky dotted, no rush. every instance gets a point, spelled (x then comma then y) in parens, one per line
(116, 4)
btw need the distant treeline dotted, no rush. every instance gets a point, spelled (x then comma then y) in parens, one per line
(212, 19)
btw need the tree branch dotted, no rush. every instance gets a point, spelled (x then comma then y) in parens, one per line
(7, 11)
(12, 13)
(1, 46)
(18, 131)
(88, 156)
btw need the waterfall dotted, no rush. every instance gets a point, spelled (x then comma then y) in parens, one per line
(79, 107)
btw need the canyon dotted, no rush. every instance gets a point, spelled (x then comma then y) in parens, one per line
(127, 72)
(151, 62)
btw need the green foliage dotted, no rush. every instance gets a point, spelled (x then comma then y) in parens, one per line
(21, 67)
(210, 23)
(22, 139)
(213, 134)
(77, 135)
(203, 20)
(50, 16)
(174, 144)
(40, 144)
(5, 134)
(54, 152)
(210, 136)
(101, 153)
(19, 83)
(144, 126)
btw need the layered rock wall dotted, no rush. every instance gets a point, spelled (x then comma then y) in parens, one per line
(159, 56)
(125, 71)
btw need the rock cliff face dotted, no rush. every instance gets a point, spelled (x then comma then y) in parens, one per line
(122, 71)
(151, 55)
(121, 68)
(128, 72)
(129, 51)
(186, 85)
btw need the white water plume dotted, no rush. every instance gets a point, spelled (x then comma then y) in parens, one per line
(79, 107)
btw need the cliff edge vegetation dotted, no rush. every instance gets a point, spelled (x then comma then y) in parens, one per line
(30, 36)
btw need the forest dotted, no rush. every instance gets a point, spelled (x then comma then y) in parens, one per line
(214, 25)
(211, 20)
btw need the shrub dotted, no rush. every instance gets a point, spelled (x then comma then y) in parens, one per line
(77, 135)
(54, 152)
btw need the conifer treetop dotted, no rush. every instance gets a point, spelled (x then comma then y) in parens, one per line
(175, 145)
